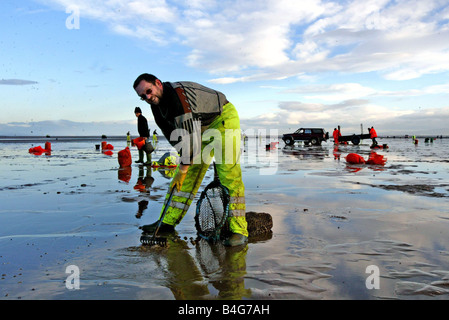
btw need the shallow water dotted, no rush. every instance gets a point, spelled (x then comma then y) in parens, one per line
(331, 221)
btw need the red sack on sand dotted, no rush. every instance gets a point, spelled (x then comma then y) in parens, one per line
(354, 158)
(375, 158)
(48, 146)
(139, 142)
(108, 153)
(124, 158)
(106, 146)
(36, 150)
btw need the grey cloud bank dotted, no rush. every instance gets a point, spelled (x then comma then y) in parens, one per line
(16, 82)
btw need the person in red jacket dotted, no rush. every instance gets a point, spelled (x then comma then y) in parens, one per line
(373, 135)
(335, 134)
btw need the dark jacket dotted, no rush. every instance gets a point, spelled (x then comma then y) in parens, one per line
(142, 126)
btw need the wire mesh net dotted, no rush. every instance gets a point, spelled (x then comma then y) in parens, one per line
(212, 211)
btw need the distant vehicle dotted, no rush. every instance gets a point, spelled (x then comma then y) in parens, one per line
(314, 136)
(354, 138)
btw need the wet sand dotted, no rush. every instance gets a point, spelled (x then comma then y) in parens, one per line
(331, 221)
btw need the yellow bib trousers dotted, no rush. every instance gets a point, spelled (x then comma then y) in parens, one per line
(222, 140)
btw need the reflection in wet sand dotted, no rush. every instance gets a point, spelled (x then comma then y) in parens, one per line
(201, 271)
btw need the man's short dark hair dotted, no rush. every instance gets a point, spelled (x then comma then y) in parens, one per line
(145, 76)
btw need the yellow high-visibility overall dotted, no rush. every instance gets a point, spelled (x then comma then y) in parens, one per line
(228, 169)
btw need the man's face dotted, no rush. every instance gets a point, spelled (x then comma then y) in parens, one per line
(151, 93)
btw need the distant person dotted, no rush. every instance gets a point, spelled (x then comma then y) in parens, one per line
(128, 139)
(336, 135)
(154, 137)
(373, 135)
(144, 132)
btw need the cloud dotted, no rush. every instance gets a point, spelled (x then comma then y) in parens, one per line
(351, 105)
(275, 39)
(293, 106)
(357, 92)
(400, 41)
(268, 40)
(339, 91)
(245, 35)
(417, 122)
(349, 114)
(67, 128)
(16, 82)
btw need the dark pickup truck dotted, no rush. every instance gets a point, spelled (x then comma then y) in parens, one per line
(313, 136)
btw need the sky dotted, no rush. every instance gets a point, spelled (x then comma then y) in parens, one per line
(67, 67)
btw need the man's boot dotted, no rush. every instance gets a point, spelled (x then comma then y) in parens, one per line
(148, 148)
(140, 160)
(148, 162)
(150, 228)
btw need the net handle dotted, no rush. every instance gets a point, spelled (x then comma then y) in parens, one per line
(216, 173)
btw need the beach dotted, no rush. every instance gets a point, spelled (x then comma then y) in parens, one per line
(340, 231)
